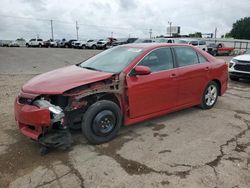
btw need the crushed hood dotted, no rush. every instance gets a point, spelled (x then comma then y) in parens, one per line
(63, 79)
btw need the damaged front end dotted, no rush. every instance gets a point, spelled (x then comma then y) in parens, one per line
(47, 118)
(43, 121)
(58, 136)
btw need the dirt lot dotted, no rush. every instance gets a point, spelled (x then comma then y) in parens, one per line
(191, 148)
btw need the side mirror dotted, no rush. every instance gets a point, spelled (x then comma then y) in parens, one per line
(141, 70)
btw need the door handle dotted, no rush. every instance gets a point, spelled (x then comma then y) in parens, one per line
(206, 68)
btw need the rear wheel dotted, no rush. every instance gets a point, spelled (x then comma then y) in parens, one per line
(101, 122)
(94, 47)
(234, 78)
(210, 95)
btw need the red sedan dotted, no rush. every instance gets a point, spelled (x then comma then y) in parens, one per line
(120, 86)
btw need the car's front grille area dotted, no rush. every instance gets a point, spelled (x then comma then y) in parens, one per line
(242, 67)
(23, 100)
(244, 61)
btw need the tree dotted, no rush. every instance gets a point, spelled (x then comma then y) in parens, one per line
(228, 35)
(196, 34)
(241, 29)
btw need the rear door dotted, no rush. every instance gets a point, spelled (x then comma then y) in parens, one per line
(193, 75)
(156, 91)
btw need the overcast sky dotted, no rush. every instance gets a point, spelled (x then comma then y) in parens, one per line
(98, 18)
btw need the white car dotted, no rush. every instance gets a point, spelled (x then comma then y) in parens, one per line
(92, 44)
(35, 43)
(239, 66)
(195, 42)
(17, 43)
(80, 44)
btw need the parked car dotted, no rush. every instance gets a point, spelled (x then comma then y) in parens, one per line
(80, 44)
(120, 86)
(144, 40)
(103, 44)
(35, 43)
(51, 43)
(18, 43)
(195, 42)
(68, 44)
(219, 49)
(122, 41)
(239, 66)
(92, 43)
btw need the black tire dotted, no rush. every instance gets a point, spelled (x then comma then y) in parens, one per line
(94, 122)
(205, 104)
(234, 78)
(83, 47)
(94, 47)
(40, 45)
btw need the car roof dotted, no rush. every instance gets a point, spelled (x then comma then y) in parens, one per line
(148, 46)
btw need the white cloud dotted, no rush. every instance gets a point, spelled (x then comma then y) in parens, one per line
(98, 18)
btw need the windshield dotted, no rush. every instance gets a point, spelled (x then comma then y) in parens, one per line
(113, 60)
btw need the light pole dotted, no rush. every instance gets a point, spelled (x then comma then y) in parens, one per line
(150, 33)
(77, 28)
(170, 24)
(215, 34)
(52, 32)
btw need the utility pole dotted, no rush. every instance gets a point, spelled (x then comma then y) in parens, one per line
(150, 33)
(77, 28)
(215, 34)
(52, 32)
(170, 29)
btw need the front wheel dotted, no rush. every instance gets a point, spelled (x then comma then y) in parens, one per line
(101, 122)
(210, 95)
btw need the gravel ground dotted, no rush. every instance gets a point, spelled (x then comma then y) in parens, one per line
(190, 148)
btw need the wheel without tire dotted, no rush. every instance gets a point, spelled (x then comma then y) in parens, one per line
(234, 78)
(210, 95)
(101, 122)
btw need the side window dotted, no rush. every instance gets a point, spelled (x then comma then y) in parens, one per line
(201, 58)
(158, 60)
(186, 56)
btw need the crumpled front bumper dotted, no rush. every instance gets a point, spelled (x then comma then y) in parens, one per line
(31, 120)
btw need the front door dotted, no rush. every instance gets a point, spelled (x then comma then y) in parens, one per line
(154, 92)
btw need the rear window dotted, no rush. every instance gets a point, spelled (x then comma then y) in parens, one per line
(186, 56)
